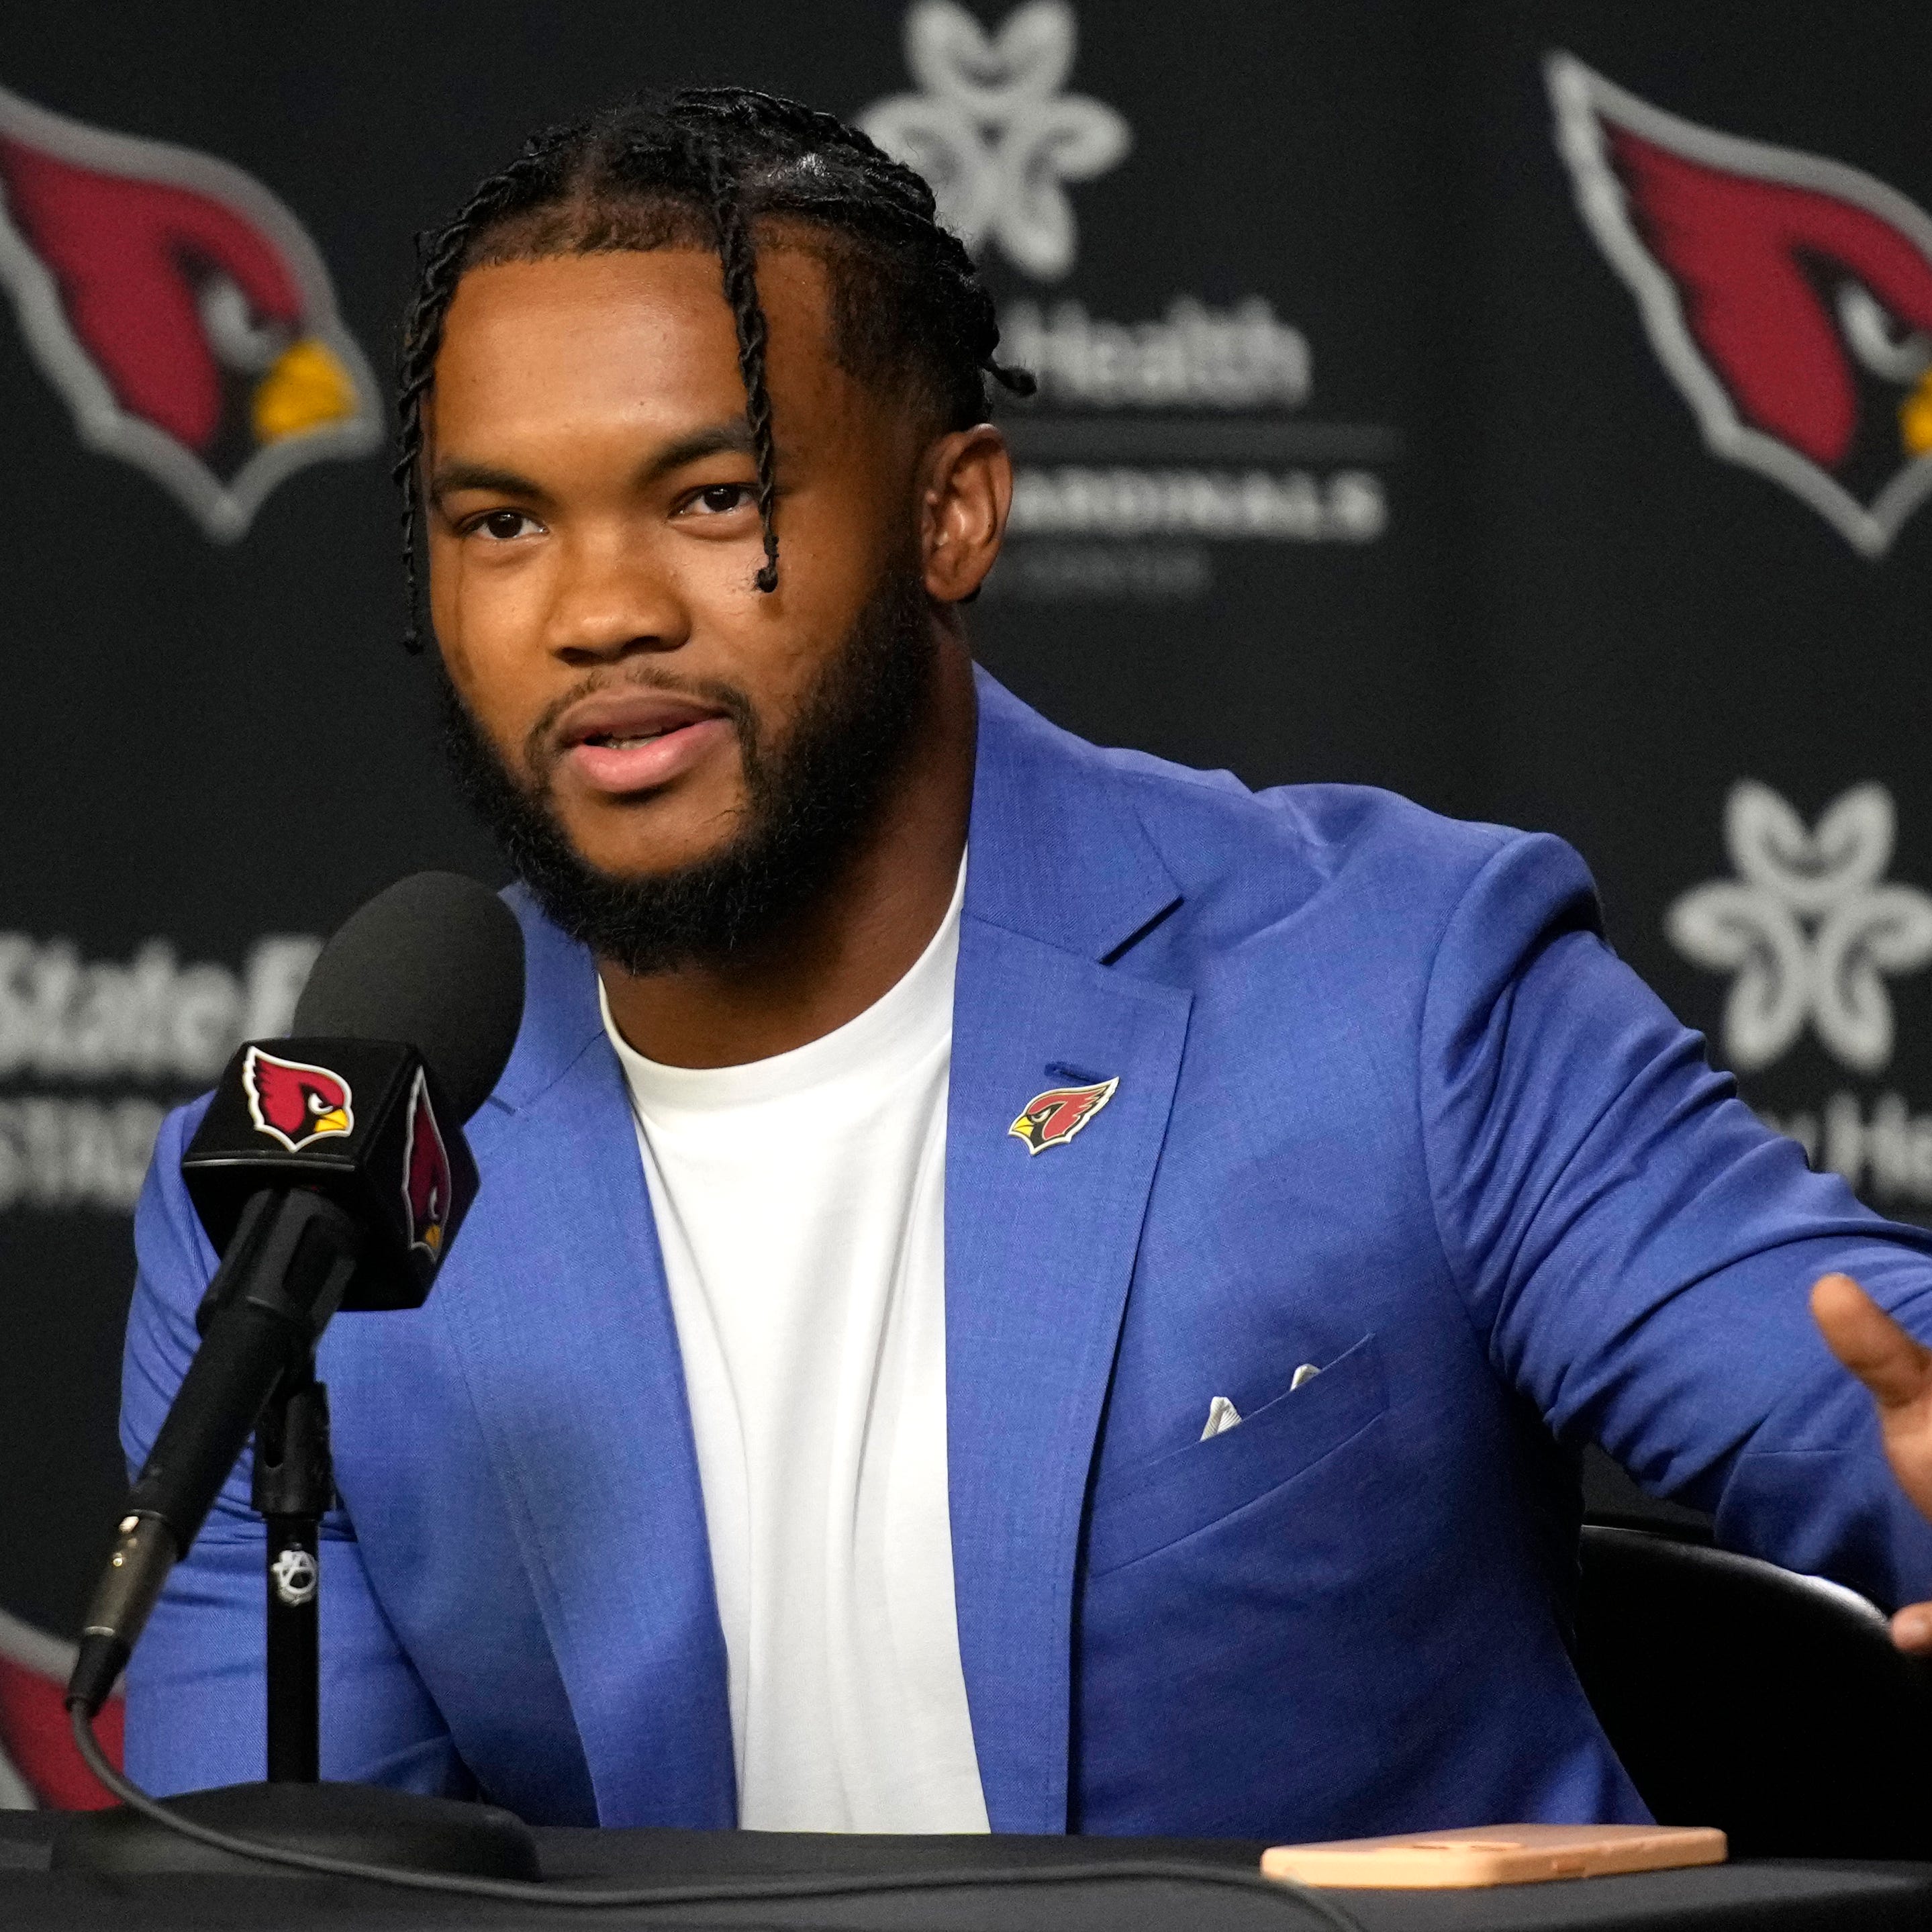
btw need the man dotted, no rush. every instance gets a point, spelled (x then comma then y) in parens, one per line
(1013, 1284)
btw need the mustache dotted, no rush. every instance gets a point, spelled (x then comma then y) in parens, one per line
(541, 751)
(812, 782)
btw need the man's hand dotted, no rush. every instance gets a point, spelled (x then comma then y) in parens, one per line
(1898, 1373)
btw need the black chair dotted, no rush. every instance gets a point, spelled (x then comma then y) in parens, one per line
(1739, 1695)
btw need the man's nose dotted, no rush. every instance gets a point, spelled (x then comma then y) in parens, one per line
(611, 601)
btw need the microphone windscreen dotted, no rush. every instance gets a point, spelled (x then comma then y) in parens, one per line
(435, 962)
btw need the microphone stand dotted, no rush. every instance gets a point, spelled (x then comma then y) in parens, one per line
(294, 1486)
(330, 1174)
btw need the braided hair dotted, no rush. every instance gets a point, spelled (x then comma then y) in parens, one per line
(702, 167)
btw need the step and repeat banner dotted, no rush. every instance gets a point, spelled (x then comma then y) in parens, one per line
(1526, 407)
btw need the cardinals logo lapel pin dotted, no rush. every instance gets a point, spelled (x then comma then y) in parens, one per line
(296, 1103)
(1788, 296)
(180, 309)
(1053, 1118)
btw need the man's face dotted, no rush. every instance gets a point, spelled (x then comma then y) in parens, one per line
(594, 537)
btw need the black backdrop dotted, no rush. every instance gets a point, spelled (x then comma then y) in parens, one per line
(1357, 459)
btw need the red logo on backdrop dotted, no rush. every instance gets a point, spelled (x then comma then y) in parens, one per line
(1789, 297)
(293, 1102)
(1059, 1113)
(180, 309)
(39, 1764)
(427, 1186)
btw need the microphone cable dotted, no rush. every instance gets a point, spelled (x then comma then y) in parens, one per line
(1303, 1898)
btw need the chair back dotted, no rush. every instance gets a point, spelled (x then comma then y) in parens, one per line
(1772, 1704)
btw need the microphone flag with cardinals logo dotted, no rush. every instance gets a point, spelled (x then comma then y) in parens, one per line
(1788, 296)
(39, 1764)
(428, 1185)
(181, 310)
(293, 1102)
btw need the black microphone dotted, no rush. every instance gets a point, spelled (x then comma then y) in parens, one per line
(330, 1172)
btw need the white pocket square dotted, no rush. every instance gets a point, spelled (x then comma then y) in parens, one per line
(1223, 1415)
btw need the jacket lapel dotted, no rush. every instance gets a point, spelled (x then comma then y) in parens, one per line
(568, 1338)
(1040, 1246)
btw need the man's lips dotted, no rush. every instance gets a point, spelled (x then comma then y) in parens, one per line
(631, 741)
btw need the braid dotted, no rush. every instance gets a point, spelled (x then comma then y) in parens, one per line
(443, 260)
(741, 291)
(705, 165)
(904, 200)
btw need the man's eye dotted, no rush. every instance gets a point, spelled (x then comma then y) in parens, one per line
(720, 498)
(501, 525)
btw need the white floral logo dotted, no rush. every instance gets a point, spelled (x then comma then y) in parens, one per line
(991, 132)
(1806, 927)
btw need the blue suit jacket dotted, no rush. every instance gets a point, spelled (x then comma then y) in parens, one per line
(1387, 1103)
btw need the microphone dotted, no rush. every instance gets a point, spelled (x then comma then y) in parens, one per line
(330, 1172)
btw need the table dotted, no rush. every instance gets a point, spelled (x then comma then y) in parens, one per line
(1780, 1895)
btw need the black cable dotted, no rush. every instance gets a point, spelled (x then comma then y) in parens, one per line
(741, 1892)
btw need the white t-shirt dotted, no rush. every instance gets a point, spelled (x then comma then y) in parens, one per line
(800, 1206)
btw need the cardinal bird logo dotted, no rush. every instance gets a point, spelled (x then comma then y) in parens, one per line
(180, 309)
(39, 1766)
(426, 1186)
(1789, 297)
(1052, 1118)
(295, 1103)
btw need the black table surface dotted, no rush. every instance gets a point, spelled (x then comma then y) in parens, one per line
(1787, 1895)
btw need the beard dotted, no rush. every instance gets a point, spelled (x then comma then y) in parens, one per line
(810, 798)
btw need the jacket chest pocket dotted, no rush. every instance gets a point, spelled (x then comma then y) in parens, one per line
(1147, 1507)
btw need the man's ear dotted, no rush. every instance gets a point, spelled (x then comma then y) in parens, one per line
(966, 490)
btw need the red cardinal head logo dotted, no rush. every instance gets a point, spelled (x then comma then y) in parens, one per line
(426, 1186)
(1789, 297)
(293, 1102)
(39, 1764)
(1057, 1115)
(180, 309)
